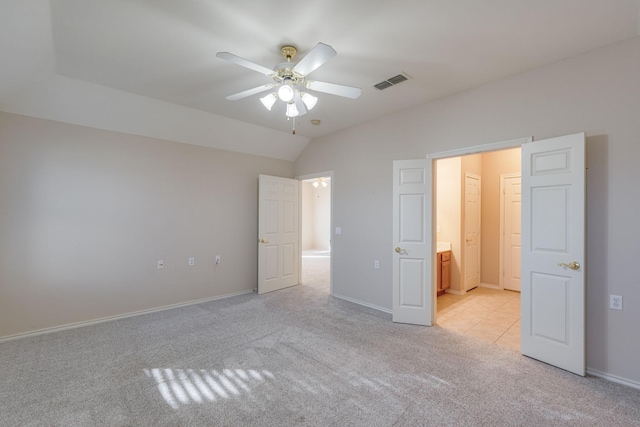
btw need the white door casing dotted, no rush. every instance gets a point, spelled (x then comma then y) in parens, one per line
(278, 233)
(553, 252)
(472, 223)
(413, 291)
(511, 234)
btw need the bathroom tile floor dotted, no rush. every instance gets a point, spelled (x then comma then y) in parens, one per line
(488, 314)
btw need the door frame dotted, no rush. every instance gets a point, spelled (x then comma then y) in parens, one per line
(458, 152)
(331, 233)
(503, 178)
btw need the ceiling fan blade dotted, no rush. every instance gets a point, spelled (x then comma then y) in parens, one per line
(249, 92)
(317, 56)
(245, 63)
(334, 89)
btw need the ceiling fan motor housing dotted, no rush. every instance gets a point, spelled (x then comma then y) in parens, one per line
(284, 71)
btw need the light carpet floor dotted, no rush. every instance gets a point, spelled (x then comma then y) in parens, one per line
(316, 269)
(288, 358)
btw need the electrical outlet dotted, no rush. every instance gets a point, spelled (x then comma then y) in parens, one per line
(217, 259)
(615, 302)
(160, 264)
(192, 261)
(376, 264)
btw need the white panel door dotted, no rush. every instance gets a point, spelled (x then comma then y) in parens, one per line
(471, 231)
(553, 251)
(412, 257)
(511, 231)
(278, 252)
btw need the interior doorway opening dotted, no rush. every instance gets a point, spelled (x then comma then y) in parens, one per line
(316, 232)
(473, 215)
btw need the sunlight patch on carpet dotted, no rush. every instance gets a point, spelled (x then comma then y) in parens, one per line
(196, 386)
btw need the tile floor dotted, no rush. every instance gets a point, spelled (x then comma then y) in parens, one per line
(489, 314)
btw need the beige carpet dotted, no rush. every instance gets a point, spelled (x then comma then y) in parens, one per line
(289, 358)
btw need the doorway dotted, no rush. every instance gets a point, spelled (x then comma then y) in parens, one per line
(315, 233)
(553, 245)
(470, 213)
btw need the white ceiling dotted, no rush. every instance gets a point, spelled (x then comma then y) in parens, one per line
(163, 52)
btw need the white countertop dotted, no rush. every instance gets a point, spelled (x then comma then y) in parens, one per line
(443, 246)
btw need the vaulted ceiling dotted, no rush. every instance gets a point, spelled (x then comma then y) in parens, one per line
(149, 67)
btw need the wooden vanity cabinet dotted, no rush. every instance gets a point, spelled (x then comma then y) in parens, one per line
(444, 271)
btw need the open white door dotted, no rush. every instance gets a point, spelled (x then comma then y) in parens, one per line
(472, 227)
(278, 230)
(553, 251)
(412, 257)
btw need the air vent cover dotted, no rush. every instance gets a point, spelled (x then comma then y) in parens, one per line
(392, 81)
(383, 85)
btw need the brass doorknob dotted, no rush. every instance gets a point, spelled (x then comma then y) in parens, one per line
(572, 265)
(398, 249)
(264, 241)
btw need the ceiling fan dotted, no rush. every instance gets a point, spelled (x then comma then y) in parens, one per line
(290, 80)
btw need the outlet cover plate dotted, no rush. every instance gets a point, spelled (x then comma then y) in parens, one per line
(615, 302)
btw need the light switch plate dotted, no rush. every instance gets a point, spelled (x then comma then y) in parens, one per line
(338, 230)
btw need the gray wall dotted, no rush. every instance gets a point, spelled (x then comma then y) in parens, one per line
(598, 93)
(86, 213)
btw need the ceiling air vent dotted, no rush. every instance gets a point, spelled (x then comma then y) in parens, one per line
(403, 77)
(383, 85)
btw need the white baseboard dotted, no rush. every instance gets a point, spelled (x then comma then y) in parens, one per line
(355, 301)
(118, 317)
(614, 378)
(482, 285)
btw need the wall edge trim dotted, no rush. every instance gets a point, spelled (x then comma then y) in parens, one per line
(490, 286)
(614, 378)
(117, 317)
(362, 303)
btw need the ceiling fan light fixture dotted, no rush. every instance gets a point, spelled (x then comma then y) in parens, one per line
(285, 91)
(292, 110)
(269, 100)
(309, 100)
(290, 78)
